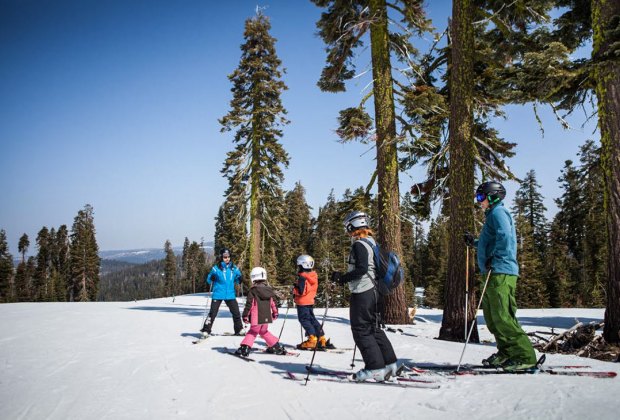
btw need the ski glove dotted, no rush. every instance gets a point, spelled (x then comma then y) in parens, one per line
(336, 276)
(246, 320)
(469, 239)
(274, 315)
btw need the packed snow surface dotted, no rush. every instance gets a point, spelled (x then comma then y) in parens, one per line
(136, 360)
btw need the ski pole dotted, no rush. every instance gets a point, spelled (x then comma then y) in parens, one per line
(285, 316)
(322, 324)
(204, 316)
(473, 323)
(466, 289)
(353, 359)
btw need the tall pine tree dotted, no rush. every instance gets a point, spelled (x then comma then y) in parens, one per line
(531, 291)
(170, 271)
(84, 257)
(296, 232)
(254, 167)
(343, 28)
(44, 259)
(529, 203)
(594, 246)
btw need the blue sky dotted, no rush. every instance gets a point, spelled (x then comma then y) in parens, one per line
(115, 104)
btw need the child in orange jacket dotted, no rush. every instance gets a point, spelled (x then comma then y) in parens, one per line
(304, 292)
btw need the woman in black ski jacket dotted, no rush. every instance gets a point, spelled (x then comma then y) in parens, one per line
(366, 304)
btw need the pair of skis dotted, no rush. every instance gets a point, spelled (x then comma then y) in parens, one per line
(464, 370)
(337, 376)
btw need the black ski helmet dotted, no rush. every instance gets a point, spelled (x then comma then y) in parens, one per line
(225, 252)
(492, 190)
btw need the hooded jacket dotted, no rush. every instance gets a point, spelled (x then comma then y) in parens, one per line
(305, 288)
(260, 306)
(224, 276)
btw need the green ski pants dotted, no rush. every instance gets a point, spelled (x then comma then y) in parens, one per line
(499, 307)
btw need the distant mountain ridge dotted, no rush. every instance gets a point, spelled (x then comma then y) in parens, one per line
(143, 255)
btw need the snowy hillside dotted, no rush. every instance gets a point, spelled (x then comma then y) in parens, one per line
(136, 360)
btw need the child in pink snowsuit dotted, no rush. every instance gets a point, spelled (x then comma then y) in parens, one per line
(260, 310)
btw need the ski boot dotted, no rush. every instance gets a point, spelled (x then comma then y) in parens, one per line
(243, 351)
(324, 343)
(378, 375)
(495, 360)
(309, 344)
(206, 328)
(516, 366)
(394, 370)
(276, 349)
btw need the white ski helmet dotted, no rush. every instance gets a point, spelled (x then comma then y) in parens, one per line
(356, 220)
(306, 262)
(258, 274)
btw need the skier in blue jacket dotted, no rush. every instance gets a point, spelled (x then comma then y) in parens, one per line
(223, 277)
(497, 252)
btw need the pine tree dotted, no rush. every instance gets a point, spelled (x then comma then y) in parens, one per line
(330, 249)
(7, 292)
(60, 264)
(559, 264)
(569, 218)
(42, 273)
(529, 203)
(596, 22)
(343, 27)
(184, 257)
(196, 266)
(487, 42)
(170, 271)
(23, 245)
(531, 290)
(412, 245)
(297, 232)
(436, 267)
(254, 167)
(84, 257)
(594, 245)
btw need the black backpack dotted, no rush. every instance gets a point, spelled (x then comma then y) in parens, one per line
(389, 273)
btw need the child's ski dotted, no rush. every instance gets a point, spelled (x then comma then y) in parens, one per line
(247, 359)
(288, 353)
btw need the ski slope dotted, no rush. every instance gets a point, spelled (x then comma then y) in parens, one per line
(136, 360)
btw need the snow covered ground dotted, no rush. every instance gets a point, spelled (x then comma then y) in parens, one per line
(136, 360)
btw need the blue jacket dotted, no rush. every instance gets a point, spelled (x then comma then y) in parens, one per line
(224, 276)
(497, 243)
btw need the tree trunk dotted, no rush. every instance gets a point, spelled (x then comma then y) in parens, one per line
(255, 230)
(607, 75)
(461, 176)
(387, 159)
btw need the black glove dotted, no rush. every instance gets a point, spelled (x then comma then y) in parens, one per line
(469, 239)
(336, 276)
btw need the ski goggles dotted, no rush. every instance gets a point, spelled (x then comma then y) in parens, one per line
(480, 197)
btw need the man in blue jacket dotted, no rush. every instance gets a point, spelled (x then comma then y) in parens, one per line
(497, 252)
(223, 277)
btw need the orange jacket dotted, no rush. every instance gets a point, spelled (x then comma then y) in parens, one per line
(306, 287)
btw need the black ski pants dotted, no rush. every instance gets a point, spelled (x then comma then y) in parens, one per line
(233, 306)
(365, 315)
